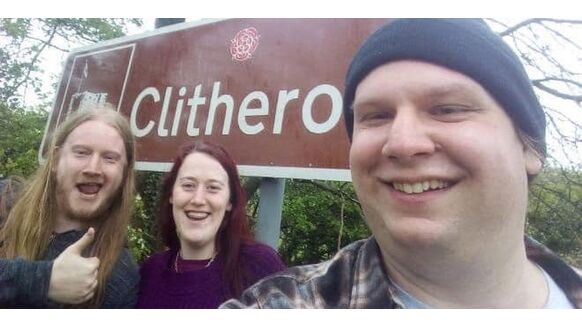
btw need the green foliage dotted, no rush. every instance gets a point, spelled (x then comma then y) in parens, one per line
(555, 212)
(21, 133)
(90, 29)
(23, 42)
(143, 235)
(140, 235)
(312, 229)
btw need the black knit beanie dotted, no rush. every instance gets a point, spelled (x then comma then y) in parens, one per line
(467, 46)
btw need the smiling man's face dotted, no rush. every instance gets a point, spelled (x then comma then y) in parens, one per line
(436, 161)
(89, 171)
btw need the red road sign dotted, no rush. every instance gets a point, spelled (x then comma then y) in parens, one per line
(268, 90)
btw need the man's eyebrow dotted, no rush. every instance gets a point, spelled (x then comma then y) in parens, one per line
(75, 146)
(370, 101)
(448, 89)
(431, 91)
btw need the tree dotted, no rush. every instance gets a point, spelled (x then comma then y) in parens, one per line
(551, 51)
(554, 212)
(24, 41)
(319, 218)
(144, 238)
(20, 137)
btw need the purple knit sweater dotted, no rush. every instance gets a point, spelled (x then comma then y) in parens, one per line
(162, 288)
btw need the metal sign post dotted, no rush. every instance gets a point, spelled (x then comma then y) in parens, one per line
(268, 228)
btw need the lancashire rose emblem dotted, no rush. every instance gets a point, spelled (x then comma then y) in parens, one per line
(244, 44)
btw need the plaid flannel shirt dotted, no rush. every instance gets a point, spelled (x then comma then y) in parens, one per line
(355, 278)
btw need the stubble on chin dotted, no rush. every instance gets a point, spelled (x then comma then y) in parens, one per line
(83, 213)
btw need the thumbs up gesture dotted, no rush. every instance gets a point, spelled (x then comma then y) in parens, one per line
(74, 277)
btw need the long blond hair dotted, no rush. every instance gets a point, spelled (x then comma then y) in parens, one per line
(31, 221)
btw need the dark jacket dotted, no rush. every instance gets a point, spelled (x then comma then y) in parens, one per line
(25, 284)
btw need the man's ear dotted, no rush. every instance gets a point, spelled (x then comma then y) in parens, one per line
(533, 162)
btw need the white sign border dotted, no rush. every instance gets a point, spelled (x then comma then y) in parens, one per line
(287, 172)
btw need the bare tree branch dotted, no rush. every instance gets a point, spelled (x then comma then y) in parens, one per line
(541, 86)
(556, 79)
(562, 116)
(47, 43)
(325, 187)
(35, 58)
(561, 36)
(527, 22)
(567, 175)
(519, 25)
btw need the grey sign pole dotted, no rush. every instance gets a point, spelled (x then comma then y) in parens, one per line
(268, 228)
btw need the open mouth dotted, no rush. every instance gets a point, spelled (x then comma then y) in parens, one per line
(421, 186)
(89, 188)
(197, 215)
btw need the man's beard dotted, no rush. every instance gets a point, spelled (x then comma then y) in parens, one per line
(83, 214)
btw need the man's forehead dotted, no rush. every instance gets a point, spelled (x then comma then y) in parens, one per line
(96, 132)
(96, 126)
(428, 79)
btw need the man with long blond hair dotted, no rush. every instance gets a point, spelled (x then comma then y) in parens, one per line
(62, 244)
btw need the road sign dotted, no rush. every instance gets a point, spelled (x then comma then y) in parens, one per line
(268, 90)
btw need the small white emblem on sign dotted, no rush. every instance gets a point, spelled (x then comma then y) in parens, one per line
(244, 44)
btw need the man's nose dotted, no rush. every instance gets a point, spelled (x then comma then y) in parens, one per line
(94, 165)
(408, 137)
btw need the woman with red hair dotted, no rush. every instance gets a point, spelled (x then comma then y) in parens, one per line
(211, 255)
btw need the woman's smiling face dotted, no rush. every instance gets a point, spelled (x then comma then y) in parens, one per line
(200, 198)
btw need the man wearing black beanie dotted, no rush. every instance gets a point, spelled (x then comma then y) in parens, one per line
(446, 133)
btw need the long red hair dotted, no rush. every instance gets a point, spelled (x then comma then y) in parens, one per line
(234, 232)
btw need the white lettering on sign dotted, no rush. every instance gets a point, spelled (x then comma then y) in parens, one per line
(141, 132)
(284, 97)
(194, 102)
(336, 108)
(255, 105)
(214, 102)
(245, 111)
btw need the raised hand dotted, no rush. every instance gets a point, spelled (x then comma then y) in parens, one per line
(74, 277)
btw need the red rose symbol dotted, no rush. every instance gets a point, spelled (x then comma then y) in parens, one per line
(244, 44)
